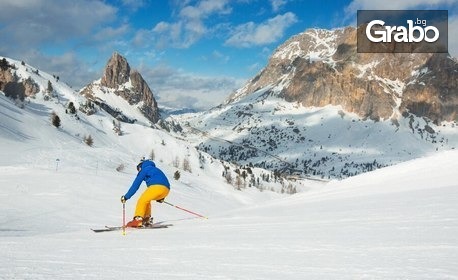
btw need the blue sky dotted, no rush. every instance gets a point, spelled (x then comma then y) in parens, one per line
(191, 52)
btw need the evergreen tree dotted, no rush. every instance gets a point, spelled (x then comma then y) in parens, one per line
(71, 108)
(55, 120)
(50, 88)
(176, 175)
(4, 65)
(88, 140)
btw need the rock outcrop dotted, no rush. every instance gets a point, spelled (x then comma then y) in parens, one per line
(13, 86)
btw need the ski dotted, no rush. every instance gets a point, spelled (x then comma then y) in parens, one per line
(114, 228)
(106, 229)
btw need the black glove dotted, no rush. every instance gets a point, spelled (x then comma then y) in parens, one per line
(160, 200)
(123, 199)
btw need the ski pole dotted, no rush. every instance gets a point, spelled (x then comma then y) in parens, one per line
(185, 210)
(123, 218)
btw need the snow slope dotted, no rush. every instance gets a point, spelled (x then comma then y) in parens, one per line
(399, 222)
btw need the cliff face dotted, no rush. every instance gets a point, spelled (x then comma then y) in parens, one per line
(117, 72)
(322, 67)
(118, 78)
(433, 91)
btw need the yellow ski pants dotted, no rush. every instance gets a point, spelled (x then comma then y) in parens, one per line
(153, 192)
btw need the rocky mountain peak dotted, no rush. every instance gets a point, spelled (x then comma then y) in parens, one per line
(119, 79)
(116, 72)
(322, 67)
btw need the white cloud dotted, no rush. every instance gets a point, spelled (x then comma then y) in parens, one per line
(277, 5)
(68, 66)
(134, 4)
(252, 34)
(170, 35)
(142, 38)
(176, 88)
(216, 55)
(32, 22)
(393, 4)
(204, 9)
(254, 66)
(166, 34)
(109, 32)
(28, 25)
(161, 27)
(190, 25)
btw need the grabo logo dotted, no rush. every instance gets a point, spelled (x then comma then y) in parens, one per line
(402, 31)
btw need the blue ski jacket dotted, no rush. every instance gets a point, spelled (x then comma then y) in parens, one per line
(151, 175)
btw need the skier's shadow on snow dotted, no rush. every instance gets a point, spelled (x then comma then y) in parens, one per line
(177, 220)
(8, 229)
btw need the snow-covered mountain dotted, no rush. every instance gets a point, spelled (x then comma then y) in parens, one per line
(29, 126)
(320, 109)
(120, 89)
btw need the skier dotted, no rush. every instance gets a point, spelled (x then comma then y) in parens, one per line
(158, 188)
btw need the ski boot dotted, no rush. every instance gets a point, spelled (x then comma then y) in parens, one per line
(136, 222)
(147, 221)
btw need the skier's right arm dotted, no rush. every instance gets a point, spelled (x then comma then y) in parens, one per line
(135, 185)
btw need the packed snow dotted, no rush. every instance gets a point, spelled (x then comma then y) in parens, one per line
(399, 222)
